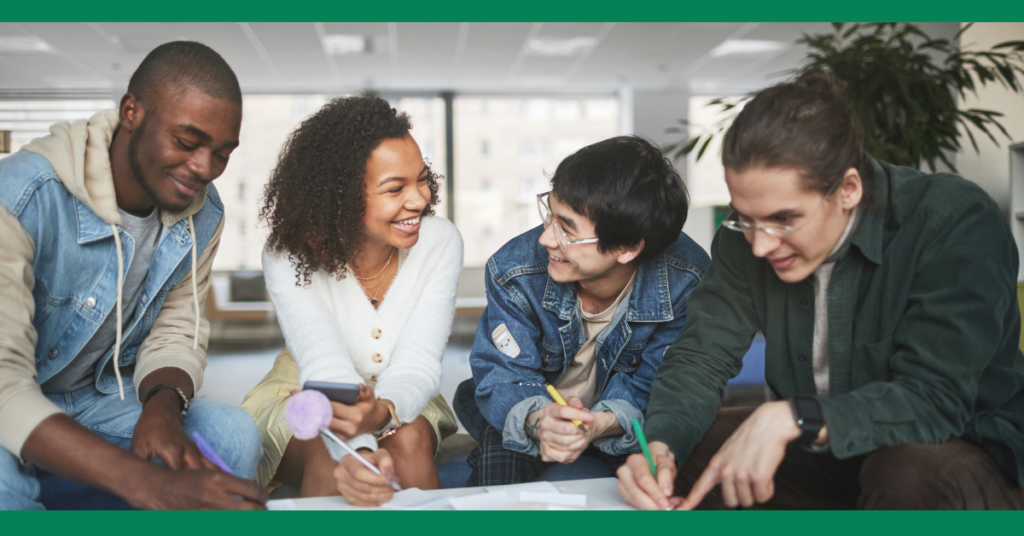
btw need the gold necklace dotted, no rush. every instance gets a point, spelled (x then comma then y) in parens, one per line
(376, 289)
(378, 273)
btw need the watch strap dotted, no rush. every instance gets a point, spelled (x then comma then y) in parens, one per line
(810, 425)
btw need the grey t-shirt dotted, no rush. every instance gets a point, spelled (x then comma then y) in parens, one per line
(146, 233)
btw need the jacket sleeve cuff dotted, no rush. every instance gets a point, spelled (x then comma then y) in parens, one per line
(849, 428)
(625, 413)
(364, 441)
(514, 436)
(193, 365)
(20, 415)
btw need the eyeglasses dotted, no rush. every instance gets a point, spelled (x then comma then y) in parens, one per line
(564, 241)
(776, 229)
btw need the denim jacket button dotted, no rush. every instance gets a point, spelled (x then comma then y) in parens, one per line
(52, 354)
(633, 362)
(90, 302)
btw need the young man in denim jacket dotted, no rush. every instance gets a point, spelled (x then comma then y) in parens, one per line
(108, 228)
(588, 303)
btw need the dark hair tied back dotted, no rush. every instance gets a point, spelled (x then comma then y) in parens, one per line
(806, 125)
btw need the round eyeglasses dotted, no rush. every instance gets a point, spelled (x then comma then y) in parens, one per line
(564, 241)
(777, 230)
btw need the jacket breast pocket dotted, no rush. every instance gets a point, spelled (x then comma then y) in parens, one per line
(552, 359)
(629, 359)
(870, 362)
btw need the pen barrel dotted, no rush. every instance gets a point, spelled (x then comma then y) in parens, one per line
(362, 460)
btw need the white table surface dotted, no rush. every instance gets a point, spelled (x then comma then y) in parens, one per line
(601, 495)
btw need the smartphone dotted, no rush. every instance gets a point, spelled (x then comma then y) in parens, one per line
(342, 393)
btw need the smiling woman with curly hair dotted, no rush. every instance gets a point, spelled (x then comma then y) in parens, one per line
(363, 278)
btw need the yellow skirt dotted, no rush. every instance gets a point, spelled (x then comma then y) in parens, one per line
(266, 404)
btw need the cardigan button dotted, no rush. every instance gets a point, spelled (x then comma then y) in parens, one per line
(377, 358)
(373, 378)
(375, 333)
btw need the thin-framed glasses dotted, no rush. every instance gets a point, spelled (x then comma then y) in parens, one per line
(777, 230)
(564, 241)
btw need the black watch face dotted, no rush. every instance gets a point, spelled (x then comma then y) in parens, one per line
(807, 409)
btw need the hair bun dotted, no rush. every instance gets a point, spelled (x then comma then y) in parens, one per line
(821, 81)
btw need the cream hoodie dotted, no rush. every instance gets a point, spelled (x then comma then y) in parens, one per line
(79, 153)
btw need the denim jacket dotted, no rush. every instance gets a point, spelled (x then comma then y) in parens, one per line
(543, 319)
(59, 280)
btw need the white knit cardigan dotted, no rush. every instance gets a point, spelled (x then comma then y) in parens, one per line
(330, 326)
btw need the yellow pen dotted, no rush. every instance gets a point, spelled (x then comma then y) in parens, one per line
(561, 402)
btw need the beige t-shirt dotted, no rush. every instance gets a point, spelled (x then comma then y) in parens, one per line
(581, 378)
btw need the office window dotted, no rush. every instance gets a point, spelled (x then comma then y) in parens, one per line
(29, 119)
(706, 178)
(495, 194)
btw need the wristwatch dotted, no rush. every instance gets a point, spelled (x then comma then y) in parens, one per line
(807, 412)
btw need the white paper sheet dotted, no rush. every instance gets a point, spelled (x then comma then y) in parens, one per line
(516, 489)
(572, 500)
(281, 504)
(482, 501)
(413, 499)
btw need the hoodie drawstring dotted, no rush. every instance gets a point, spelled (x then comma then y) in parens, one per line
(120, 293)
(120, 284)
(195, 295)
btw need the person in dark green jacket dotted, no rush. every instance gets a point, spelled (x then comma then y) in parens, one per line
(887, 298)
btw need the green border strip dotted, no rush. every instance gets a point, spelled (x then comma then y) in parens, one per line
(754, 523)
(512, 11)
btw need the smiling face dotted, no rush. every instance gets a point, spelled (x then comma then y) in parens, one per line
(177, 147)
(396, 193)
(580, 262)
(780, 196)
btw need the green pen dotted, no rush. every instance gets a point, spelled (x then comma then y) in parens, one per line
(643, 445)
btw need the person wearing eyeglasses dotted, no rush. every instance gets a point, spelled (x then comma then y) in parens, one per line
(888, 301)
(586, 302)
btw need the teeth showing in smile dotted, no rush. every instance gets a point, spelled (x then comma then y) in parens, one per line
(556, 258)
(409, 222)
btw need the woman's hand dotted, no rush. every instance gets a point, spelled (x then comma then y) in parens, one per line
(639, 488)
(745, 465)
(361, 486)
(366, 416)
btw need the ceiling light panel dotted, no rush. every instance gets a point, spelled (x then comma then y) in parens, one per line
(548, 46)
(23, 43)
(731, 47)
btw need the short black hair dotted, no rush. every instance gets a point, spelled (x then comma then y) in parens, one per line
(175, 67)
(628, 189)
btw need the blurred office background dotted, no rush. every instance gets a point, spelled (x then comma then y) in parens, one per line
(495, 107)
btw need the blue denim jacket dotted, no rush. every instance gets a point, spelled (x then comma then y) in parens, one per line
(76, 260)
(543, 318)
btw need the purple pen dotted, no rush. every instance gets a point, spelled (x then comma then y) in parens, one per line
(211, 454)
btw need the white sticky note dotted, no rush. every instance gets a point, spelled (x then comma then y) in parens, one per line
(482, 501)
(281, 504)
(413, 499)
(571, 500)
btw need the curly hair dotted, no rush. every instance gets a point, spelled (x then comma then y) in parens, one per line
(315, 200)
